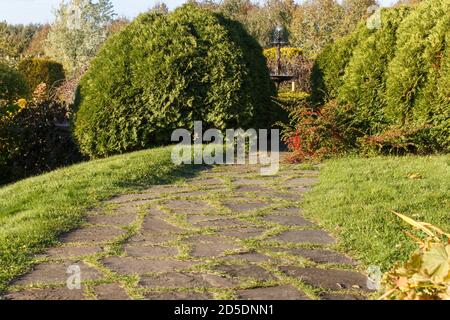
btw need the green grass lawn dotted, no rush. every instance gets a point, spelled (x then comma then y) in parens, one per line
(355, 196)
(33, 212)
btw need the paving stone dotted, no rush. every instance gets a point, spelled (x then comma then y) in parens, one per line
(53, 273)
(112, 291)
(287, 211)
(243, 204)
(131, 265)
(194, 219)
(222, 222)
(156, 213)
(288, 220)
(150, 251)
(299, 190)
(109, 219)
(272, 293)
(323, 256)
(178, 280)
(126, 208)
(328, 278)
(162, 190)
(242, 233)
(341, 297)
(69, 252)
(295, 172)
(305, 236)
(213, 249)
(156, 225)
(178, 296)
(93, 234)
(252, 182)
(51, 294)
(208, 238)
(247, 256)
(254, 189)
(283, 195)
(151, 239)
(205, 182)
(300, 182)
(188, 206)
(132, 197)
(194, 194)
(246, 271)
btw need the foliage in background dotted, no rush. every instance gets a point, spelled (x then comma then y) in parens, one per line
(294, 63)
(13, 86)
(36, 47)
(392, 80)
(426, 276)
(314, 24)
(311, 24)
(38, 71)
(317, 23)
(32, 141)
(81, 26)
(14, 40)
(165, 71)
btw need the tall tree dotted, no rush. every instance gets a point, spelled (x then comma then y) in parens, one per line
(14, 40)
(80, 27)
(316, 23)
(37, 43)
(160, 7)
(260, 19)
(354, 11)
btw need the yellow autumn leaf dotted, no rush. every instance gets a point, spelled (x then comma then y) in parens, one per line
(436, 262)
(415, 176)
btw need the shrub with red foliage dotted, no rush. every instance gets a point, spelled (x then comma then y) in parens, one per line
(314, 134)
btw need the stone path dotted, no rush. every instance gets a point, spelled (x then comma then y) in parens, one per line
(227, 234)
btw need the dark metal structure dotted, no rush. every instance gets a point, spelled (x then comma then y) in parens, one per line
(279, 41)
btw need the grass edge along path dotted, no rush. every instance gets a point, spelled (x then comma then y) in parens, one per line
(35, 211)
(355, 195)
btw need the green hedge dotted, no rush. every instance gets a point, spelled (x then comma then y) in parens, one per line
(420, 40)
(329, 67)
(13, 85)
(394, 80)
(364, 82)
(162, 72)
(416, 71)
(37, 71)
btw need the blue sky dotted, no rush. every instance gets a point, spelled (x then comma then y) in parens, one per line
(26, 11)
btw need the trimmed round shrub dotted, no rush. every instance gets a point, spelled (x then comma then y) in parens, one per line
(329, 67)
(37, 71)
(364, 82)
(13, 85)
(163, 72)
